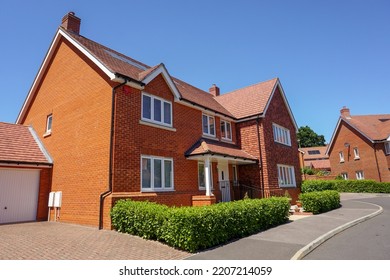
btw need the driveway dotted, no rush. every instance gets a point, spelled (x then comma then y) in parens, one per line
(60, 241)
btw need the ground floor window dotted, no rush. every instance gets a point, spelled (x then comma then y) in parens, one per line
(201, 176)
(156, 173)
(344, 176)
(359, 175)
(286, 176)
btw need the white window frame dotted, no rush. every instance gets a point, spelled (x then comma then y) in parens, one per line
(162, 111)
(387, 148)
(281, 134)
(286, 176)
(49, 124)
(200, 163)
(359, 175)
(341, 155)
(344, 175)
(208, 125)
(356, 153)
(152, 177)
(225, 124)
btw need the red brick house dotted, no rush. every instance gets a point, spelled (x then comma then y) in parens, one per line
(315, 158)
(360, 147)
(118, 128)
(25, 174)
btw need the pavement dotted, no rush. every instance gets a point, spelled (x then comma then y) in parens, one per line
(293, 240)
(299, 236)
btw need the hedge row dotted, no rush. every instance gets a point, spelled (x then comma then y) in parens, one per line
(354, 186)
(321, 201)
(195, 228)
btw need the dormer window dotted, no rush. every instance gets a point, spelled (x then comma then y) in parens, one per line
(156, 110)
(208, 123)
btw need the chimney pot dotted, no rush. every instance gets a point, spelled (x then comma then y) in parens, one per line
(214, 90)
(345, 112)
(71, 23)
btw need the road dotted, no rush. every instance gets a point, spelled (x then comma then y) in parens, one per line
(369, 240)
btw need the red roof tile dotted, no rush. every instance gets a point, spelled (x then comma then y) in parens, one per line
(375, 127)
(207, 146)
(248, 101)
(18, 145)
(314, 153)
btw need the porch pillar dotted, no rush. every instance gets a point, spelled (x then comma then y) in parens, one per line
(207, 169)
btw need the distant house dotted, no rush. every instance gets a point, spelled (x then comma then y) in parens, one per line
(360, 147)
(315, 158)
(117, 128)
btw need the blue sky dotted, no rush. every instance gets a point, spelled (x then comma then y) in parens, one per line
(327, 54)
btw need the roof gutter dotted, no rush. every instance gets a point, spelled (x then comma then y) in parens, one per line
(109, 189)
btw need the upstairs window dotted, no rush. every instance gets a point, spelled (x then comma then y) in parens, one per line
(156, 110)
(286, 176)
(208, 123)
(387, 148)
(281, 135)
(356, 153)
(226, 130)
(341, 155)
(49, 122)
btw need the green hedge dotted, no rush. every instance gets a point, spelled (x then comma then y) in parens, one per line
(195, 228)
(321, 201)
(354, 186)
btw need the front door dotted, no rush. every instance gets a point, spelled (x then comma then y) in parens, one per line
(223, 178)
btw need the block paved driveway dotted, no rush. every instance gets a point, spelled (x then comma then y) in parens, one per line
(60, 241)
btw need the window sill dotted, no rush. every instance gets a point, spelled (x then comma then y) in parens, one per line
(342, 161)
(230, 141)
(47, 134)
(156, 191)
(157, 125)
(210, 137)
(356, 158)
(289, 186)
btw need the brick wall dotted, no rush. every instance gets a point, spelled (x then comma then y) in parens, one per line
(79, 98)
(371, 158)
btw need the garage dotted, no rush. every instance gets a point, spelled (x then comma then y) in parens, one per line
(25, 175)
(19, 189)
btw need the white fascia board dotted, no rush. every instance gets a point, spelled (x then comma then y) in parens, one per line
(45, 64)
(278, 84)
(162, 70)
(40, 144)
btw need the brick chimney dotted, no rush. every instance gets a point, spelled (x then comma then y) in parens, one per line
(345, 112)
(214, 90)
(71, 23)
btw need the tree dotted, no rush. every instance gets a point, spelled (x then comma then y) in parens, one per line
(308, 138)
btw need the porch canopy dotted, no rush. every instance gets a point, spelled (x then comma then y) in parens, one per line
(209, 150)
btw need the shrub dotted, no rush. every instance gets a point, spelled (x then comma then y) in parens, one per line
(320, 201)
(142, 218)
(355, 186)
(195, 228)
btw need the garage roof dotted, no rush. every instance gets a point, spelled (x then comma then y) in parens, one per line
(19, 144)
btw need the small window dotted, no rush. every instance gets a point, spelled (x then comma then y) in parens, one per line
(156, 173)
(226, 130)
(281, 135)
(341, 155)
(359, 175)
(356, 153)
(286, 176)
(387, 148)
(49, 122)
(208, 123)
(156, 110)
(344, 176)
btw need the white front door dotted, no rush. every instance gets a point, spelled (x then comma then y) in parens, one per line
(19, 189)
(223, 178)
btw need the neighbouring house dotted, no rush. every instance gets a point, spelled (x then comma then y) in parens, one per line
(315, 158)
(360, 147)
(117, 128)
(25, 174)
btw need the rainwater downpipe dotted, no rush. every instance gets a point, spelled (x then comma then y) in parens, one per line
(377, 164)
(261, 158)
(109, 190)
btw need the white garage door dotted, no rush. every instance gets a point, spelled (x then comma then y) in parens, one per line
(19, 190)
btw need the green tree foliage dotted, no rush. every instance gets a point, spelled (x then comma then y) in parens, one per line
(308, 138)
